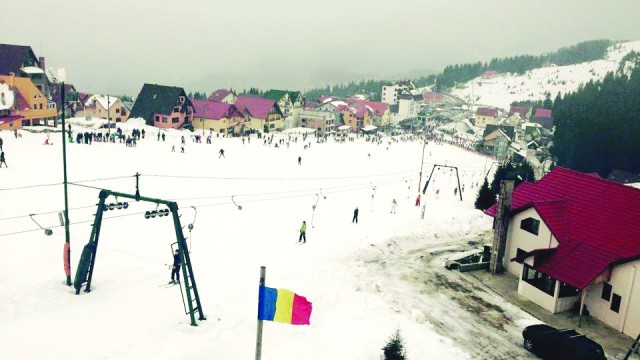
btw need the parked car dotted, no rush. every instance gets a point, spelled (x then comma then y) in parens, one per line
(474, 256)
(550, 343)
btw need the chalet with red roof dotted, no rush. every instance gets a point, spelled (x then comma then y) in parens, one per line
(222, 96)
(575, 238)
(260, 114)
(163, 106)
(489, 74)
(356, 116)
(544, 118)
(432, 98)
(485, 116)
(379, 111)
(215, 116)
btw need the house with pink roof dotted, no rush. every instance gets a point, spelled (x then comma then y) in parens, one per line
(222, 96)
(215, 116)
(543, 117)
(260, 114)
(489, 74)
(572, 239)
(379, 111)
(356, 116)
(485, 116)
(432, 98)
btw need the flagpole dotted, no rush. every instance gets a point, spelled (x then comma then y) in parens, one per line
(263, 271)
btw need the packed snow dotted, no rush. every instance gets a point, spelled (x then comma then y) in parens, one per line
(365, 279)
(500, 91)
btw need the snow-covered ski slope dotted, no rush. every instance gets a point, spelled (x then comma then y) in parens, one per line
(500, 91)
(358, 300)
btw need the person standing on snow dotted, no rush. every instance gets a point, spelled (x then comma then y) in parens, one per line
(303, 233)
(2, 159)
(175, 269)
(418, 200)
(299, 160)
(221, 152)
(394, 203)
(355, 215)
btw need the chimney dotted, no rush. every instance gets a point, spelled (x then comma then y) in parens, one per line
(11, 80)
(41, 59)
(501, 227)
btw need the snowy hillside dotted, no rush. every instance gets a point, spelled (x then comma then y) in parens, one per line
(500, 91)
(365, 280)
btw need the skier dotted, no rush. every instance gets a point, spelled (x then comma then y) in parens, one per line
(437, 193)
(182, 149)
(162, 136)
(182, 138)
(455, 191)
(299, 160)
(1, 144)
(418, 200)
(15, 133)
(221, 152)
(394, 203)
(158, 135)
(173, 148)
(355, 215)
(2, 159)
(175, 269)
(303, 232)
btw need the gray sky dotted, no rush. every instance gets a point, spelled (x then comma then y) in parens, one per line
(116, 46)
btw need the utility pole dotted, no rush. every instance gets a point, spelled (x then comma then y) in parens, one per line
(421, 164)
(67, 245)
(108, 115)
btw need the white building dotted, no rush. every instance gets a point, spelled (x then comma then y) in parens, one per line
(390, 94)
(573, 238)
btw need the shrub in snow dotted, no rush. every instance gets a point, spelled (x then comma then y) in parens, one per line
(394, 350)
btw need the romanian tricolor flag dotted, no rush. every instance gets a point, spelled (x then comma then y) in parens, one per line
(283, 306)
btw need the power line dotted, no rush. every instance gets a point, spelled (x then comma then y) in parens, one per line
(272, 179)
(29, 186)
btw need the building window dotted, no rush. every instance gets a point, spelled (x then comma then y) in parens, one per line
(606, 291)
(164, 119)
(157, 118)
(519, 255)
(175, 120)
(118, 120)
(615, 302)
(530, 225)
(176, 109)
(540, 281)
(567, 290)
(117, 111)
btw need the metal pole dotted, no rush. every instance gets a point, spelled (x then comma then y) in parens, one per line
(421, 164)
(263, 272)
(108, 115)
(66, 196)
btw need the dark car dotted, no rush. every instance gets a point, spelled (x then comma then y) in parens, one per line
(550, 343)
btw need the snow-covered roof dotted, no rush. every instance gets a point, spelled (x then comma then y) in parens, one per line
(369, 127)
(32, 70)
(6, 97)
(105, 101)
(344, 127)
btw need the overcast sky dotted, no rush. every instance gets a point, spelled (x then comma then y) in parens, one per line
(116, 46)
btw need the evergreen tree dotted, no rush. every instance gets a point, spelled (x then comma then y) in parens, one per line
(486, 198)
(394, 350)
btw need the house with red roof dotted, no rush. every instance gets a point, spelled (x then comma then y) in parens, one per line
(543, 117)
(432, 98)
(215, 116)
(379, 111)
(223, 96)
(28, 102)
(575, 238)
(356, 116)
(484, 116)
(260, 114)
(489, 74)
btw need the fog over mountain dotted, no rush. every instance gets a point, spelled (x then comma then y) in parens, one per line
(117, 46)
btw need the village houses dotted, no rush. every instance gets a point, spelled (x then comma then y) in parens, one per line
(223, 96)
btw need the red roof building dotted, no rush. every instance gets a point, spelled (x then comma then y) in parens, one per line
(572, 231)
